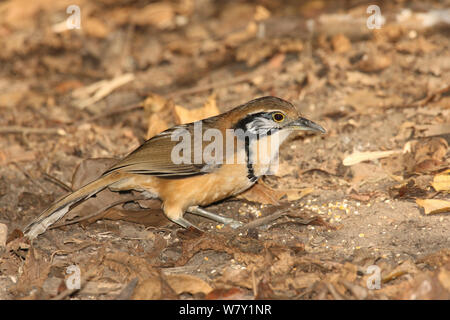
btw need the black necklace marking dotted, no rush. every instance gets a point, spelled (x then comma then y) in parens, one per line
(250, 171)
(247, 136)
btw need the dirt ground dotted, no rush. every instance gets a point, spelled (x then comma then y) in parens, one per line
(336, 223)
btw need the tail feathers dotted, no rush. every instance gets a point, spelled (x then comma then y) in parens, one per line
(62, 206)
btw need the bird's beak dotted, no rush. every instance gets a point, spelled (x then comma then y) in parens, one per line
(305, 125)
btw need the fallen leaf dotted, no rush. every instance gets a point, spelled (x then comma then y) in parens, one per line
(374, 62)
(432, 206)
(261, 13)
(159, 14)
(296, 194)
(154, 103)
(444, 278)
(236, 277)
(95, 27)
(156, 125)
(186, 283)
(15, 153)
(441, 181)
(419, 45)
(149, 289)
(424, 155)
(262, 193)
(35, 271)
(407, 190)
(340, 43)
(241, 36)
(209, 109)
(302, 280)
(228, 294)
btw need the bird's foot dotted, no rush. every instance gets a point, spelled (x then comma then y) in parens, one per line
(215, 217)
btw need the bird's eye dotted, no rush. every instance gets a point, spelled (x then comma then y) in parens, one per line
(278, 117)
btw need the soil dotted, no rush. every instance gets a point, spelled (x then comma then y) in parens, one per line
(372, 89)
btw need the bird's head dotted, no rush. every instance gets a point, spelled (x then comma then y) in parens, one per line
(268, 115)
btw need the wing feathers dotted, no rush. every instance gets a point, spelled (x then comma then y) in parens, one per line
(154, 157)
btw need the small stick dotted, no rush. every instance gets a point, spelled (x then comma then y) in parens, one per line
(57, 182)
(25, 130)
(110, 113)
(264, 220)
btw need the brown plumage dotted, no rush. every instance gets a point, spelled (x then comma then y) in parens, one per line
(183, 187)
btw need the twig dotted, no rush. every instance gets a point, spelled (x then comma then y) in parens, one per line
(110, 113)
(100, 90)
(25, 130)
(58, 182)
(358, 157)
(431, 96)
(264, 220)
(33, 181)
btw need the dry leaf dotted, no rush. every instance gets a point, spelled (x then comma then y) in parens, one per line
(302, 280)
(262, 193)
(35, 271)
(155, 125)
(441, 181)
(181, 283)
(15, 153)
(296, 194)
(444, 278)
(159, 14)
(374, 62)
(95, 27)
(149, 289)
(419, 45)
(183, 115)
(229, 294)
(236, 277)
(154, 103)
(261, 13)
(241, 36)
(432, 206)
(425, 155)
(340, 43)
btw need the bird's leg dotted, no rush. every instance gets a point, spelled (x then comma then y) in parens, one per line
(215, 217)
(185, 223)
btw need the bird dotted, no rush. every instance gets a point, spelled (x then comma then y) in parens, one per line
(185, 180)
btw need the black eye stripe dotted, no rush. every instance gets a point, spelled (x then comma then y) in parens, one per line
(241, 124)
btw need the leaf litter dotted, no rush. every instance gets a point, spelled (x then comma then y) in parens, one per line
(312, 231)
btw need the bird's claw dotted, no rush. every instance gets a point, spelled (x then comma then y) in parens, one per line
(233, 223)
